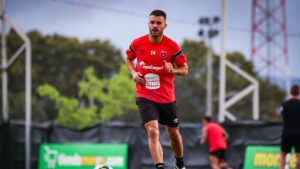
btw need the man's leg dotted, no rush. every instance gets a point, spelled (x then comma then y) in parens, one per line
(223, 164)
(153, 141)
(176, 140)
(150, 116)
(177, 146)
(214, 162)
(282, 159)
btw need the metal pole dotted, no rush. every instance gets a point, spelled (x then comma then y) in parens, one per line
(27, 79)
(287, 81)
(209, 78)
(255, 100)
(284, 29)
(268, 34)
(4, 65)
(28, 104)
(222, 83)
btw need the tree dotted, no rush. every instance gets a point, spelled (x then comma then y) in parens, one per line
(59, 61)
(106, 98)
(120, 98)
(70, 113)
(116, 95)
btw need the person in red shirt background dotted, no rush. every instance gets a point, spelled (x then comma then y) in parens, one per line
(216, 137)
(158, 60)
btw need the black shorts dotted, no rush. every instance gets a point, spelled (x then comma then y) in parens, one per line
(220, 154)
(165, 113)
(288, 141)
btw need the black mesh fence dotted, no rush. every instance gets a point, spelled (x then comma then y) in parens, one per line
(12, 146)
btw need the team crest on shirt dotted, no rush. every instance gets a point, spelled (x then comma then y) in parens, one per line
(163, 53)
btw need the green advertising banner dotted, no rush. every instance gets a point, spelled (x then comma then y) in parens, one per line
(82, 156)
(265, 157)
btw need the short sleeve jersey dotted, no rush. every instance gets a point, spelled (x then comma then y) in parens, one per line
(215, 137)
(291, 116)
(159, 83)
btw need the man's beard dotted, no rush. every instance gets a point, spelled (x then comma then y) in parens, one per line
(156, 34)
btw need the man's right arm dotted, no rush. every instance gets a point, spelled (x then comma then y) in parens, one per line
(204, 136)
(130, 66)
(136, 76)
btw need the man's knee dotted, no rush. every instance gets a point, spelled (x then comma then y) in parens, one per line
(153, 133)
(214, 160)
(174, 135)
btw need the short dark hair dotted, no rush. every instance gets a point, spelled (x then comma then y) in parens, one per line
(295, 90)
(207, 118)
(158, 12)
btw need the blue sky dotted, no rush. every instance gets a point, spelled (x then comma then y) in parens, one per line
(120, 21)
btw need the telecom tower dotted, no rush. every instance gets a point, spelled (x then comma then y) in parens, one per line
(269, 46)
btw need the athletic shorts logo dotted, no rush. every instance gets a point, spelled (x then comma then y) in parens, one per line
(175, 120)
(152, 81)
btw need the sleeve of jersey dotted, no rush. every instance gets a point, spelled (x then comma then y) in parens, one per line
(179, 57)
(130, 52)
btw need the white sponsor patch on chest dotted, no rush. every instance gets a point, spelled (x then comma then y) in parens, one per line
(152, 81)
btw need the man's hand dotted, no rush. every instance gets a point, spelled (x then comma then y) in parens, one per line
(138, 77)
(204, 136)
(169, 67)
(202, 141)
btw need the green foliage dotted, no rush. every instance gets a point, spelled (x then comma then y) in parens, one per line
(59, 61)
(106, 98)
(121, 93)
(70, 113)
(116, 95)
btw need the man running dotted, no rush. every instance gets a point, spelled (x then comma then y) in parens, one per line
(158, 58)
(216, 137)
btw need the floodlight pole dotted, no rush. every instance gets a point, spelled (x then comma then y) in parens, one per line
(208, 35)
(209, 74)
(222, 83)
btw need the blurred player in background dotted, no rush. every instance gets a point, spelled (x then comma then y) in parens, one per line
(291, 127)
(216, 137)
(159, 59)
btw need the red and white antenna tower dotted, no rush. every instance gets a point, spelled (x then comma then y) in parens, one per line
(269, 46)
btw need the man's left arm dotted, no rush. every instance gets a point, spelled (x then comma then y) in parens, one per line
(178, 69)
(181, 70)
